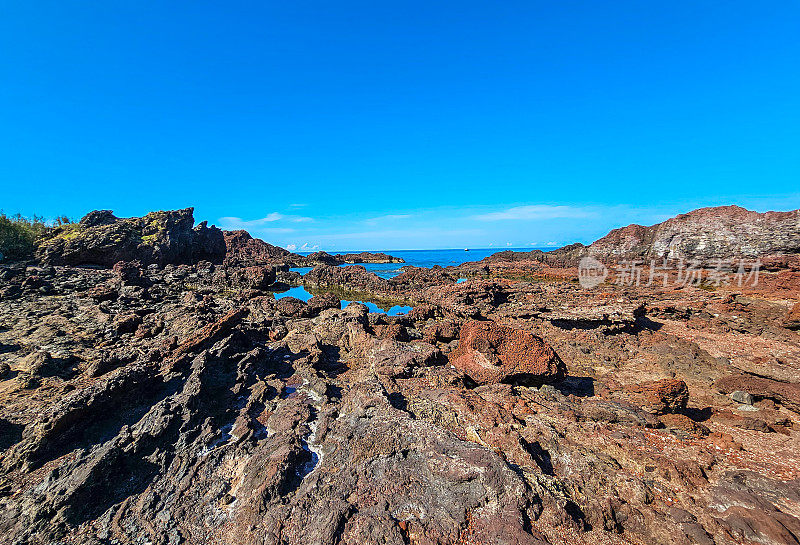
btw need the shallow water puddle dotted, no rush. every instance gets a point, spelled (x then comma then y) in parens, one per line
(301, 270)
(307, 443)
(300, 292)
(224, 437)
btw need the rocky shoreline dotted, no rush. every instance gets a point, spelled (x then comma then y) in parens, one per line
(155, 391)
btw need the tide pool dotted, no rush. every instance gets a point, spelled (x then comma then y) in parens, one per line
(299, 292)
(396, 310)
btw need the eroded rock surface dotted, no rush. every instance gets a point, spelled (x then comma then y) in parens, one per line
(160, 400)
(159, 237)
(490, 353)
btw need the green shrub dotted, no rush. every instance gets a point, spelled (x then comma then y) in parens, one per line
(18, 235)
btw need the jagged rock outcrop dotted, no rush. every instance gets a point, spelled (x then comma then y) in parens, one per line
(163, 237)
(706, 234)
(241, 249)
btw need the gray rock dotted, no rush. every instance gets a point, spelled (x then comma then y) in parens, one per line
(742, 397)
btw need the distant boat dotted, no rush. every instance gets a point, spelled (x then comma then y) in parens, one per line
(466, 249)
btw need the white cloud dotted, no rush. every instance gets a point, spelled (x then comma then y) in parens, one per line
(535, 212)
(387, 218)
(230, 222)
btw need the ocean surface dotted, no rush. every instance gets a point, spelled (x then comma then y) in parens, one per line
(416, 258)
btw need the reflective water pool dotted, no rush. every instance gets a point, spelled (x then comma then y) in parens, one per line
(299, 292)
(396, 310)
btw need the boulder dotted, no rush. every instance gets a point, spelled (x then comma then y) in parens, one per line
(321, 302)
(442, 331)
(661, 396)
(256, 277)
(785, 393)
(742, 397)
(395, 332)
(128, 272)
(126, 323)
(290, 306)
(490, 353)
(39, 364)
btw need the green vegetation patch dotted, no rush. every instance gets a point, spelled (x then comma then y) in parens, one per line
(18, 236)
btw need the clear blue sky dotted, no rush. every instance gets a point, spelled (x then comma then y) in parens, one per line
(388, 125)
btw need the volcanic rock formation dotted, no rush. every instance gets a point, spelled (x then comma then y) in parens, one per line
(723, 232)
(157, 238)
(171, 398)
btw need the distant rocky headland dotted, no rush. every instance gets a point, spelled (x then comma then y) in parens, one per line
(157, 387)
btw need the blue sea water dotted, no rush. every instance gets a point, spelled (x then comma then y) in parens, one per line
(416, 258)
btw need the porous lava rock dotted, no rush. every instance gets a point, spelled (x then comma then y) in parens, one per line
(162, 237)
(241, 249)
(489, 353)
(661, 396)
(792, 319)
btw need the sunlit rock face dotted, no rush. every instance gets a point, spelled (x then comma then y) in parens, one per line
(185, 396)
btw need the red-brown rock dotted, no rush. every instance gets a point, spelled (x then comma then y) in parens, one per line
(243, 249)
(661, 396)
(785, 393)
(443, 331)
(395, 332)
(290, 306)
(256, 277)
(489, 353)
(792, 319)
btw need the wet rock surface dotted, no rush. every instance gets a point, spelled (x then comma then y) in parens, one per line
(151, 401)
